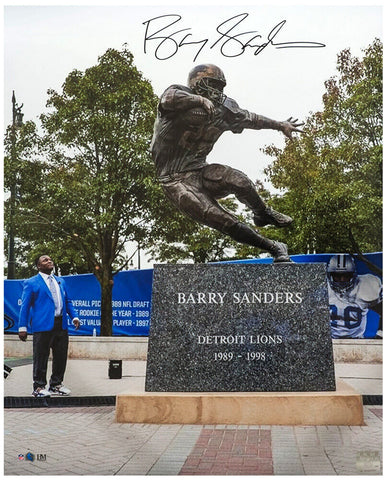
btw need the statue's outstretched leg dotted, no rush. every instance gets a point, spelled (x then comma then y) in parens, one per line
(189, 196)
(222, 180)
(244, 234)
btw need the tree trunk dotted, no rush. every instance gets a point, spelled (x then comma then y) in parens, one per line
(106, 282)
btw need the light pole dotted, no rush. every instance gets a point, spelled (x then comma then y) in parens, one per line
(17, 121)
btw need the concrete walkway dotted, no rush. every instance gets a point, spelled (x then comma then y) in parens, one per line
(90, 377)
(83, 377)
(87, 441)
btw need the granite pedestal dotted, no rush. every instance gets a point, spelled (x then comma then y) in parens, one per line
(240, 328)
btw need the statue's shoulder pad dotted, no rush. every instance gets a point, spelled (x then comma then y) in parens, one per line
(231, 105)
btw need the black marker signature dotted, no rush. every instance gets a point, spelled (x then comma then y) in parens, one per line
(231, 42)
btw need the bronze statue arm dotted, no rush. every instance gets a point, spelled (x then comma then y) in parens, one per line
(287, 128)
(175, 99)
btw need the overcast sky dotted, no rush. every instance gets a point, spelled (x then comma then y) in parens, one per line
(42, 44)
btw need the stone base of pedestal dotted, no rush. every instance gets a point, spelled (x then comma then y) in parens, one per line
(342, 407)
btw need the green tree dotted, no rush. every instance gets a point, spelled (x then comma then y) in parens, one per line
(22, 173)
(332, 175)
(26, 170)
(95, 179)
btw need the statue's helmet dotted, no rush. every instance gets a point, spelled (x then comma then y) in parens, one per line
(341, 272)
(208, 81)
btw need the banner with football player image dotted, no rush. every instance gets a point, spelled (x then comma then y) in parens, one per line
(351, 297)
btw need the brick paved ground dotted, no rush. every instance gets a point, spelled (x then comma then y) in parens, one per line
(87, 441)
(238, 451)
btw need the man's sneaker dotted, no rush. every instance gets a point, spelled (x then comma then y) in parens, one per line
(272, 217)
(280, 253)
(41, 393)
(59, 390)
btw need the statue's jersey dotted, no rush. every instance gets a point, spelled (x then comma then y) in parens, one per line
(178, 148)
(348, 309)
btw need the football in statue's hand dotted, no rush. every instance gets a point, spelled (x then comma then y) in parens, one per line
(195, 117)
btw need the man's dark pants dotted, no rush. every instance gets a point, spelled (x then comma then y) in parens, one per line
(58, 340)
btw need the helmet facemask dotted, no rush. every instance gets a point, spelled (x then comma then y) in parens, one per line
(342, 282)
(211, 89)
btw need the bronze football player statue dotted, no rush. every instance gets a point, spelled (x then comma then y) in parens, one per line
(189, 122)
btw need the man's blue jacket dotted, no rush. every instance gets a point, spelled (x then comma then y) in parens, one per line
(38, 304)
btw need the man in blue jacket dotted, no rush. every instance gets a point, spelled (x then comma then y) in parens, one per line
(46, 302)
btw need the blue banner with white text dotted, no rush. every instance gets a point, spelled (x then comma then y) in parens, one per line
(131, 303)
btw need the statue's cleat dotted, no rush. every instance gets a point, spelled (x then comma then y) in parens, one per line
(280, 253)
(272, 217)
